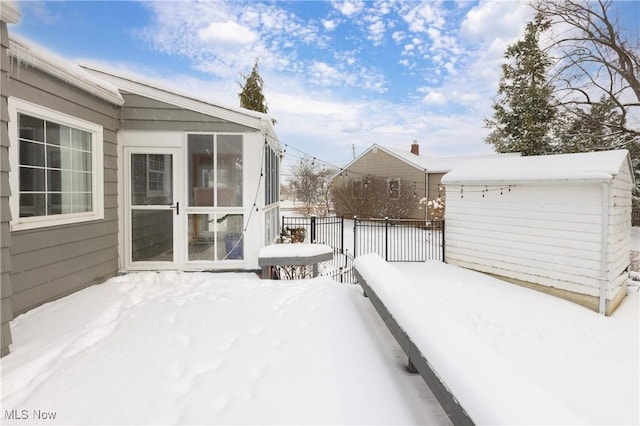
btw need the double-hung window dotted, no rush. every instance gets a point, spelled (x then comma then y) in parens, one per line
(56, 167)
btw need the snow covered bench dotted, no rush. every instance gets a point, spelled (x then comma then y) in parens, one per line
(473, 382)
(297, 254)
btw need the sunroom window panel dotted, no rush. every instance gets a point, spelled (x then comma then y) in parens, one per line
(229, 170)
(201, 177)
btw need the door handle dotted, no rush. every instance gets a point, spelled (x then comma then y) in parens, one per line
(177, 207)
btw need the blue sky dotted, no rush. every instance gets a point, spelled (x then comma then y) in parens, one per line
(337, 74)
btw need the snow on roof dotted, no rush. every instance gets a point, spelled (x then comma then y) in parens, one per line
(25, 53)
(439, 164)
(599, 166)
(428, 163)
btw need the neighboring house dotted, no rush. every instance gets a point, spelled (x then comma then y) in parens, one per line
(102, 174)
(556, 223)
(406, 174)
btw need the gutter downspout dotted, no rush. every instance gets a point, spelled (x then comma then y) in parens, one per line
(604, 249)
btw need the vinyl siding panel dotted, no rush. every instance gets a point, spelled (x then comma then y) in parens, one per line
(52, 262)
(619, 229)
(61, 286)
(6, 288)
(142, 113)
(540, 234)
(435, 188)
(381, 164)
(544, 234)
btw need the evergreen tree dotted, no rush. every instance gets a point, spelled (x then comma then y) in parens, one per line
(251, 96)
(592, 129)
(525, 110)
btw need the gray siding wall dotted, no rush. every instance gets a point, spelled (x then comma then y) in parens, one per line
(142, 113)
(385, 165)
(435, 189)
(51, 262)
(5, 214)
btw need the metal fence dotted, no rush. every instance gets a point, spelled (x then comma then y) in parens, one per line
(318, 230)
(399, 240)
(324, 230)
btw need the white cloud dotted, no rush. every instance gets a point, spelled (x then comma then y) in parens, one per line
(329, 24)
(408, 49)
(376, 32)
(398, 36)
(227, 32)
(424, 16)
(324, 74)
(491, 19)
(349, 7)
(435, 98)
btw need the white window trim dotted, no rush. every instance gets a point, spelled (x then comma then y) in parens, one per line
(19, 106)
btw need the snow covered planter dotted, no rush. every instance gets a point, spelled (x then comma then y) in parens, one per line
(294, 256)
(556, 223)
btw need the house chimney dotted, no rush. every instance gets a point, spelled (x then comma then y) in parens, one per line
(415, 148)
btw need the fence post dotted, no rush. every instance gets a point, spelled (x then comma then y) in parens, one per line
(443, 240)
(313, 229)
(355, 226)
(386, 239)
(341, 234)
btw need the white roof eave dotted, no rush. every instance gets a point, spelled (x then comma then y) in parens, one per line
(586, 178)
(29, 55)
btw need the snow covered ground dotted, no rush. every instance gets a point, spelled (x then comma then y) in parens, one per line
(198, 348)
(586, 365)
(187, 348)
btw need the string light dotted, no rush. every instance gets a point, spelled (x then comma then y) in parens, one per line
(486, 190)
(343, 173)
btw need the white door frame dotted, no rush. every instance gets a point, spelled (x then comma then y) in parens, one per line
(178, 208)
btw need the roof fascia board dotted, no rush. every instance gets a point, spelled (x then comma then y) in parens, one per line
(23, 53)
(185, 102)
(588, 178)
